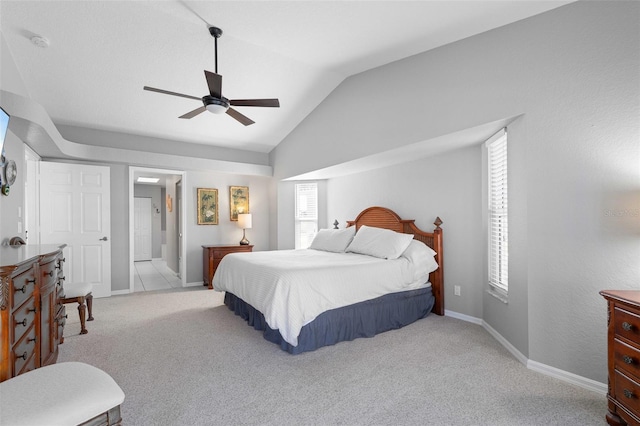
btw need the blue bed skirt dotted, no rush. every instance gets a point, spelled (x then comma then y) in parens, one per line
(364, 319)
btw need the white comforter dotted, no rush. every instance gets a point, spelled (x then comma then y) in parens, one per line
(292, 287)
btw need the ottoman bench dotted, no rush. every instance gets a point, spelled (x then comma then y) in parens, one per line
(68, 393)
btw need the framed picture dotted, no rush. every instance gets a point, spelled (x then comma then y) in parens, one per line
(207, 206)
(238, 201)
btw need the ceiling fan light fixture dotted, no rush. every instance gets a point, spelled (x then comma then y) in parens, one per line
(214, 105)
(217, 109)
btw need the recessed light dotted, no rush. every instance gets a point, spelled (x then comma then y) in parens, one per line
(148, 180)
(40, 41)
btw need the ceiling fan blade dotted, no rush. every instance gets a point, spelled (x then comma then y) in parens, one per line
(274, 103)
(240, 117)
(193, 113)
(166, 92)
(214, 81)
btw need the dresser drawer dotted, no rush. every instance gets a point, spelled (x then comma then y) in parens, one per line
(27, 366)
(626, 358)
(22, 319)
(23, 287)
(219, 253)
(24, 351)
(627, 392)
(60, 320)
(626, 324)
(49, 274)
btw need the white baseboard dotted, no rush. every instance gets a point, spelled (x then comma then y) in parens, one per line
(463, 317)
(547, 370)
(504, 342)
(120, 292)
(565, 376)
(197, 283)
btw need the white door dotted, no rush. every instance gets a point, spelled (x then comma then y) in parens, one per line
(75, 208)
(142, 229)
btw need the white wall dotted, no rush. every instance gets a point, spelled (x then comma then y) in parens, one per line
(574, 161)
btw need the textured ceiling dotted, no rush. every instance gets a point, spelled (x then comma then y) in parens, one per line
(102, 53)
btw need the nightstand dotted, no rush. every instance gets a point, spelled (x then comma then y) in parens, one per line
(211, 257)
(624, 356)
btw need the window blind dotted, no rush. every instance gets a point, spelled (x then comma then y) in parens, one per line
(306, 214)
(498, 212)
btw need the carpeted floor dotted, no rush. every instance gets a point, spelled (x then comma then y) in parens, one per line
(182, 358)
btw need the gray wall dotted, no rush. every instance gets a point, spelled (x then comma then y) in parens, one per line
(10, 79)
(448, 186)
(119, 227)
(227, 231)
(573, 162)
(173, 249)
(12, 205)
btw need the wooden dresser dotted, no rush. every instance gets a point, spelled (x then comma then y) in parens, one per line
(32, 316)
(623, 356)
(212, 255)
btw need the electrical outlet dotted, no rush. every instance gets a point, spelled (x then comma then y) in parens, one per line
(456, 290)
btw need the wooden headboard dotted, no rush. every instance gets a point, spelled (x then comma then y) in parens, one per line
(381, 217)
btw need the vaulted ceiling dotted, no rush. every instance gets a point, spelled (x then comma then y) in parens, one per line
(100, 54)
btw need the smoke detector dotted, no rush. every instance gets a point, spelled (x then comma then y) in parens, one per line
(40, 41)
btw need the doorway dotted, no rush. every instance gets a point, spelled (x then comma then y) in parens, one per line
(142, 236)
(168, 207)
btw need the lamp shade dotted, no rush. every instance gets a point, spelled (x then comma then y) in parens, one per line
(217, 108)
(244, 220)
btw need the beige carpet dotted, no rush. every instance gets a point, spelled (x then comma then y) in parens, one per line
(182, 358)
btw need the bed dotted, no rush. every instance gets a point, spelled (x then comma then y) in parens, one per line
(302, 300)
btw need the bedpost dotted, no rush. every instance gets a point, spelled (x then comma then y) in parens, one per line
(437, 282)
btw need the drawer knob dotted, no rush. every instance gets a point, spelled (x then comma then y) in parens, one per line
(50, 273)
(627, 326)
(35, 339)
(23, 356)
(627, 359)
(34, 310)
(22, 323)
(22, 289)
(628, 393)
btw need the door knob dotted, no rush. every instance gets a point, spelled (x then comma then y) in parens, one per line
(103, 239)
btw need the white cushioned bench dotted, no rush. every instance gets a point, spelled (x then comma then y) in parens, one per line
(68, 393)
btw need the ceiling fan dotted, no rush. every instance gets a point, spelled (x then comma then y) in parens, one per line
(214, 102)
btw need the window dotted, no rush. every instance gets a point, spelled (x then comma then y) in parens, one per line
(306, 214)
(498, 218)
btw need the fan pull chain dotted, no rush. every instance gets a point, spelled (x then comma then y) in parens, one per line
(215, 44)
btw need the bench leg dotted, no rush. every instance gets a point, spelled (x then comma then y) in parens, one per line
(82, 312)
(89, 299)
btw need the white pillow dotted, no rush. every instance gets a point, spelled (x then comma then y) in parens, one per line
(421, 257)
(378, 242)
(335, 240)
